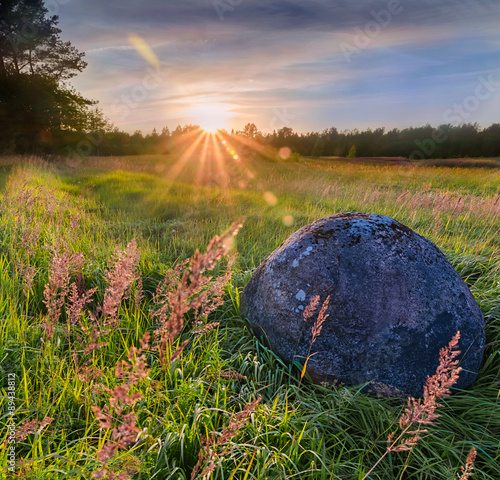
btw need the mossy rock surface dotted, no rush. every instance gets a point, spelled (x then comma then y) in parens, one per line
(395, 301)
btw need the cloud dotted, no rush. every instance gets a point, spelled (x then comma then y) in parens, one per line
(287, 54)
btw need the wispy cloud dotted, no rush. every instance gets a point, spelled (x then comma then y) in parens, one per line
(289, 54)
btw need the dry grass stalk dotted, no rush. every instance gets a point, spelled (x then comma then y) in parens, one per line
(87, 373)
(318, 325)
(28, 208)
(25, 272)
(78, 300)
(311, 308)
(231, 375)
(123, 425)
(468, 470)
(423, 412)
(452, 204)
(28, 212)
(62, 265)
(213, 448)
(189, 288)
(119, 280)
(30, 427)
(36, 218)
(316, 328)
(202, 329)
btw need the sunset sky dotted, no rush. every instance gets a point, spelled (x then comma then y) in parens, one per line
(307, 64)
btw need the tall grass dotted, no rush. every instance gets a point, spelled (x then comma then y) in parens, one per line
(131, 358)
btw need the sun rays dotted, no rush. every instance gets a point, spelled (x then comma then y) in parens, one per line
(218, 159)
(219, 165)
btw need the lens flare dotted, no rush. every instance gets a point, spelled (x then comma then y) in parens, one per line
(285, 153)
(143, 49)
(271, 198)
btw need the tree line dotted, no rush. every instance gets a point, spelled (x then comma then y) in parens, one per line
(445, 141)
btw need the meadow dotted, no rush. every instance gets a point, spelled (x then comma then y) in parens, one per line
(124, 346)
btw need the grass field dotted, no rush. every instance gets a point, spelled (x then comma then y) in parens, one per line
(67, 257)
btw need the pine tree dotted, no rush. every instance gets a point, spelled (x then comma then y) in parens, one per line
(36, 102)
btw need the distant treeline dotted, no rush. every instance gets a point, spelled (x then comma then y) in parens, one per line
(446, 141)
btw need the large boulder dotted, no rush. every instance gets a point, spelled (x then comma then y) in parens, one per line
(395, 301)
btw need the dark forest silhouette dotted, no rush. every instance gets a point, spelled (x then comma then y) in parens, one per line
(466, 140)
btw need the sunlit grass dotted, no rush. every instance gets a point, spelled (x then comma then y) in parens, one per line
(173, 205)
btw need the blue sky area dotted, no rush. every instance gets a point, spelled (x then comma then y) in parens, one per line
(306, 64)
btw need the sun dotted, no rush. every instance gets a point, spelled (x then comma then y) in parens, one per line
(210, 115)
